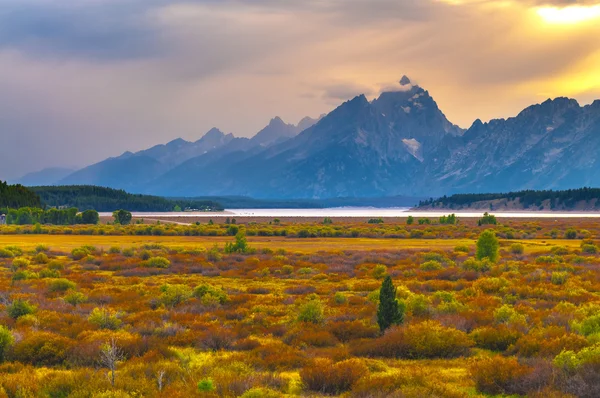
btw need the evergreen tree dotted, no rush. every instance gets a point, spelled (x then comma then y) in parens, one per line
(390, 311)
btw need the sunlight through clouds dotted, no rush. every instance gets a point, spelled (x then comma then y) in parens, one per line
(569, 15)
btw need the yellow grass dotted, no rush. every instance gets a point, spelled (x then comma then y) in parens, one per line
(308, 245)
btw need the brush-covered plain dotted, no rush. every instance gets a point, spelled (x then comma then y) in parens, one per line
(107, 311)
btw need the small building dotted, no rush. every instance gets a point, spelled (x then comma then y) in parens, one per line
(2, 219)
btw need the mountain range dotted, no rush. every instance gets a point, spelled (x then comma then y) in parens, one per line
(400, 143)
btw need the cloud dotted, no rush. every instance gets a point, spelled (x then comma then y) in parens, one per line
(80, 81)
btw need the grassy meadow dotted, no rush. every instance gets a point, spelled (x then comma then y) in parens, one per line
(288, 308)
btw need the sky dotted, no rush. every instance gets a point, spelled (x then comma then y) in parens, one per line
(84, 80)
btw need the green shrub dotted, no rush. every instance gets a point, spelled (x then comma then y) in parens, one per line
(206, 385)
(79, 253)
(158, 262)
(559, 278)
(61, 285)
(588, 326)
(6, 253)
(19, 308)
(589, 248)
(20, 263)
(379, 271)
(75, 298)
(311, 312)
(55, 265)
(571, 233)
(6, 341)
(41, 248)
(129, 252)
(340, 298)
(40, 258)
(487, 246)
(49, 273)
(206, 291)
(105, 318)
(462, 249)
(114, 250)
(173, 295)
(431, 266)
(517, 248)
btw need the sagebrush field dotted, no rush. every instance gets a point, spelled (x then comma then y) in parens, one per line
(179, 311)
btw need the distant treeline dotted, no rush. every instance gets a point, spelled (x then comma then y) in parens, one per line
(36, 215)
(85, 197)
(16, 196)
(245, 202)
(566, 199)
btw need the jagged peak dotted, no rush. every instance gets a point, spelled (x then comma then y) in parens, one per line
(562, 102)
(177, 141)
(277, 121)
(405, 81)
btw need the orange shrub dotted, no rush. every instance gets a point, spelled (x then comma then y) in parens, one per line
(424, 340)
(41, 349)
(346, 331)
(500, 375)
(497, 338)
(325, 377)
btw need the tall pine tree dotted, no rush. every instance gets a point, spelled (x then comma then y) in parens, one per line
(390, 311)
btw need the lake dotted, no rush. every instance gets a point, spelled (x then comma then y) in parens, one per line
(362, 212)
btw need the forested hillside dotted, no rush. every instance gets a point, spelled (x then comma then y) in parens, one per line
(86, 197)
(16, 196)
(571, 199)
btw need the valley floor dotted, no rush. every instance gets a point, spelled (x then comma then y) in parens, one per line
(270, 316)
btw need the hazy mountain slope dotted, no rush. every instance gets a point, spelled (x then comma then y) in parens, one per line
(49, 176)
(548, 146)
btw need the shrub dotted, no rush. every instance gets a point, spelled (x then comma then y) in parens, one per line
(571, 233)
(559, 278)
(325, 377)
(424, 340)
(259, 392)
(340, 298)
(497, 338)
(6, 341)
(75, 298)
(40, 258)
(346, 331)
(487, 246)
(55, 265)
(517, 248)
(158, 262)
(431, 266)
(129, 252)
(61, 285)
(379, 271)
(216, 339)
(4, 253)
(589, 248)
(105, 318)
(207, 291)
(588, 326)
(173, 295)
(206, 385)
(20, 263)
(19, 308)
(114, 250)
(41, 349)
(462, 249)
(79, 253)
(311, 312)
(499, 375)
